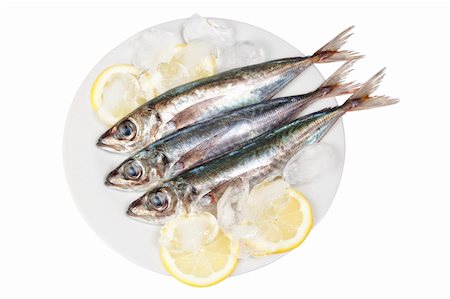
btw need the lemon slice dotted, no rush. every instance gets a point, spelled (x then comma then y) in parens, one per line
(195, 251)
(283, 219)
(116, 92)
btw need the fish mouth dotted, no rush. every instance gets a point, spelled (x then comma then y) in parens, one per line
(108, 183)
(138, 211)
(112, 178)
(116, 181)
(108, 142)
(111, 181)
(133, 205)
(137, 204)
(143, 219)
(104, 144)
(101, 143)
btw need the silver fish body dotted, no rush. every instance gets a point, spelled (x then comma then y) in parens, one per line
(263, 158)
(266, 156)
(205, 98)
(204, 141)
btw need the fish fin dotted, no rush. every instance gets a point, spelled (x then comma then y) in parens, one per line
(362, 98)
(175, 169)
(218, 192)
(193, 113)
(335, 84)
(209, 202)
(202, 152)
(330, 52)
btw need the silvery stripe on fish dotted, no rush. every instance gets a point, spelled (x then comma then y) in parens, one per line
(204, 141)
(265, 156)
(205, 98)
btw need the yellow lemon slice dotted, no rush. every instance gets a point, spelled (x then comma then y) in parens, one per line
(283, 219)
(116, 92)
(195, 251)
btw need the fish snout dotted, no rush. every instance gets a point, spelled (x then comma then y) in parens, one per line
(107, 141)
(113, 179)
(116, 180)
(138, 208)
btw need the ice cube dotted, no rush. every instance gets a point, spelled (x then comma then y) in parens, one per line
(198, 57)
(239, 55)
(199, 28)
(238, 208)
(189, 233)
(153, 47)
(309, 163)
(196, 234)
(169, 75)
(231, 210)
(146, 83)
(122, 93)
(262, 196)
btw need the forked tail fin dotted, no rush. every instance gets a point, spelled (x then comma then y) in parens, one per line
(331, 53)
(362, 98)
(335, 85)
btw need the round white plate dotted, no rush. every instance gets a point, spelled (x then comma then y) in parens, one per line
(104, 209)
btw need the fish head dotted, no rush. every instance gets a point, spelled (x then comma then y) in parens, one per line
(134, 131)
(158, 206)
(142, 171)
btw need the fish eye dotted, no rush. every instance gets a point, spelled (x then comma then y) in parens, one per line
(158, 201)
(126, 130)
(133, 170)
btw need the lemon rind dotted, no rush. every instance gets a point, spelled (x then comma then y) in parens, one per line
(261, 251)
(166, 257)
(100, 81)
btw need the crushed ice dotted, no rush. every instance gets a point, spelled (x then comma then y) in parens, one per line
(189, 234)
(121, 92)
(199, 28)
(239, 55)
(309, 163)
(154, 47)
(232, 209)
(238, 209)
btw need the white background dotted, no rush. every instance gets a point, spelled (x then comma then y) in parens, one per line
(387, 232)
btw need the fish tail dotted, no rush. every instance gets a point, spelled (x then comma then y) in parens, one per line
(331, 51)
(362, 98)
(335, 85)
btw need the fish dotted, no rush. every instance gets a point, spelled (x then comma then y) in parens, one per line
(200, 188)
(211, 96)
(204, 141)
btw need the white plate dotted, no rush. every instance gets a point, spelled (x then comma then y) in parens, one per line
(104, 209)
